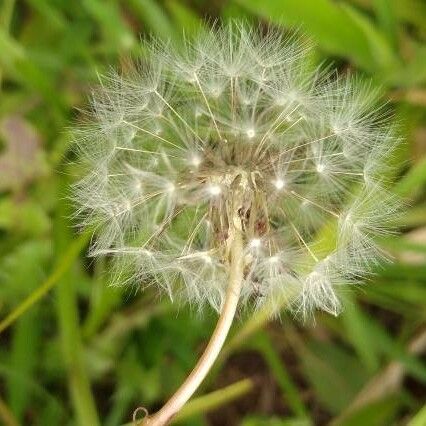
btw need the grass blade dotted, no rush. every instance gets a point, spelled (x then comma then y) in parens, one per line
(64, 263)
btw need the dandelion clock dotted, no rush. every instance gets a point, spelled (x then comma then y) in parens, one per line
(212, 171)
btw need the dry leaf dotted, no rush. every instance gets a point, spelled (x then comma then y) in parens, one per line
(22, 159)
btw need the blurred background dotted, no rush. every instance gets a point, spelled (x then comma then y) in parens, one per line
(75, 352)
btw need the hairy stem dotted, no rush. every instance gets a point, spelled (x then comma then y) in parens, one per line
(181, 396)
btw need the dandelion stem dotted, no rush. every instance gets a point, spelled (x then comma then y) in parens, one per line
(182, 395)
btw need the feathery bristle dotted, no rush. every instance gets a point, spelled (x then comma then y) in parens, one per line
(168, 142)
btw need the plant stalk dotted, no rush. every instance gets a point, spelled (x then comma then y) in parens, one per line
(200, 371)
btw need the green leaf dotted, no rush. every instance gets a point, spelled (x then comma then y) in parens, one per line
(414, 292)
(79, 385)
(406, 11)
(380, 413)
(323, 364)
(6, 13)
(153, 15)
(289, 390)
(397, 352)
(358, 332)
(64, 263)
(206, 403)
(49, 13)
(412, 11)
(327, 22)
(103, 300)
(46, 398)
(419, 419)
(386, 15)
(413, 73)
(27, 219)
(415, 179)
(184, 17)
(381, 50)
(23, 268)
(274, 421)
(112, 25)
(26, 334)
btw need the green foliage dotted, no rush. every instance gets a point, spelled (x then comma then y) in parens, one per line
(77, 352)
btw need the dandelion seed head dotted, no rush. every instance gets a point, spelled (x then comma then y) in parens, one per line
(236, 127)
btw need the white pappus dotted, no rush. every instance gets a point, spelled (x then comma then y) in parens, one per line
(237, 121)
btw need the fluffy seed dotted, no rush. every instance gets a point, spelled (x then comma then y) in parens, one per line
(236, 115)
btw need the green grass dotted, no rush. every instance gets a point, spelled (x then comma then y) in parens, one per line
(76, 352)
